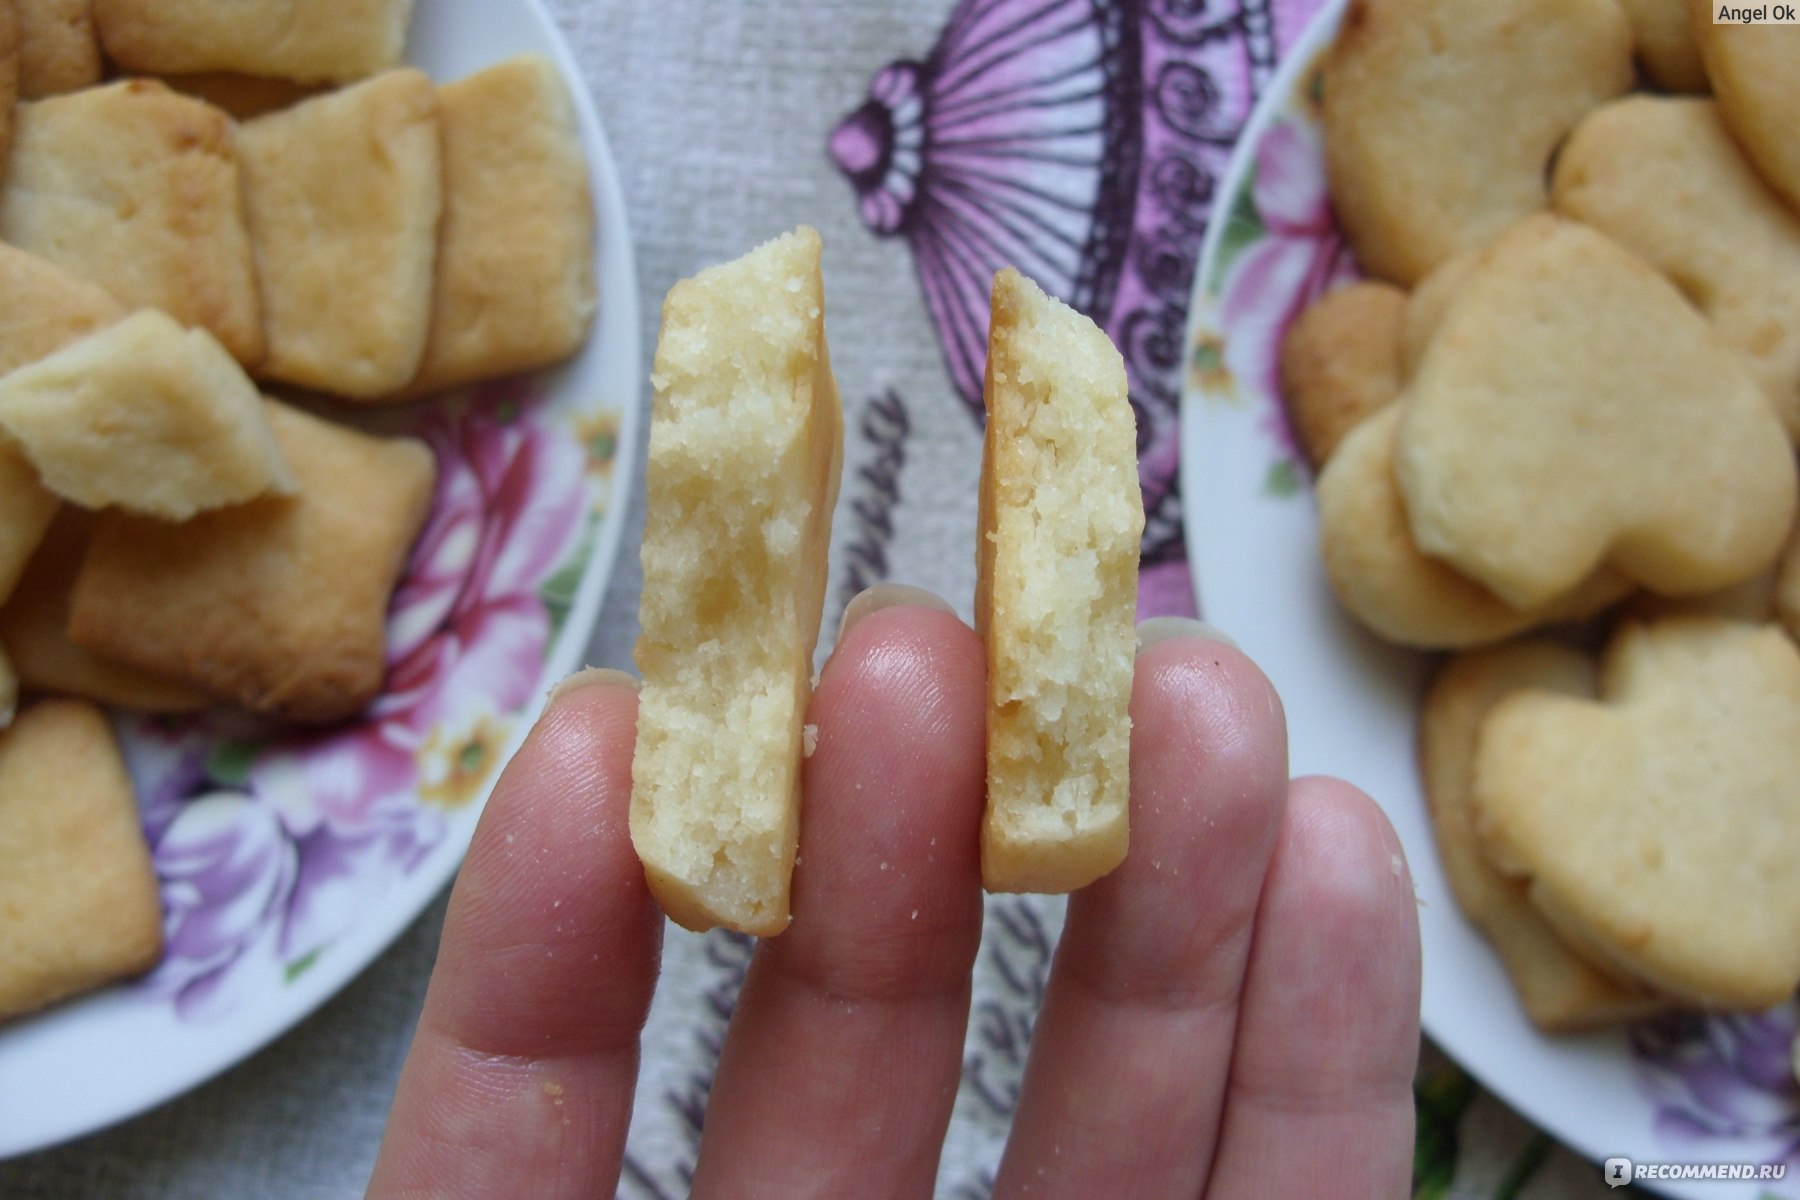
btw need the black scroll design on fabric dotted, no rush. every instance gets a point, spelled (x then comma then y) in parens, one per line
(875, 493)
(728, 953)
(1019, 948)
(1197, 23)
(981, 1187)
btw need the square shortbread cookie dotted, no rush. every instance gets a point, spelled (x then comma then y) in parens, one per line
(515, 276)
(135, 187)
(44, 307)
(342, 193)
(146, 415)
(58, 51)
(245, 97)
(78, 898)
(278, 605)
(34, 626)
(9, 74)
(26, 508)
(335, 40)
(9, 689)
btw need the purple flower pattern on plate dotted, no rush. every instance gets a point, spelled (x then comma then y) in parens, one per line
(1081, 141)
(1724, 1087)
(268, 849)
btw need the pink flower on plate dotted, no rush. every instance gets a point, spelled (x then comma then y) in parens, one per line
(268, 853)
(467, 635)
(1299, 256)
(345, 805)
(468, 619)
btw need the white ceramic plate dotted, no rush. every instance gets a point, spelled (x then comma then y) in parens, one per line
(286, 866)
(1682, 1091)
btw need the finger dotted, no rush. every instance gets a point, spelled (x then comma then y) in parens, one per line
(843, 1056)
(1130, 1054)
(1320, 1101)
(520, 1076)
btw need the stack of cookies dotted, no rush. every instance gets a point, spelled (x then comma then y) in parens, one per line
(1564, 404)
(202, 203)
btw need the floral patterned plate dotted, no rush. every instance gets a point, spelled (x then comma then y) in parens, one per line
(1687, 1090)
(287, 863)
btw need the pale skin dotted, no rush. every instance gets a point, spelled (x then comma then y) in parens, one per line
(1232, 1014)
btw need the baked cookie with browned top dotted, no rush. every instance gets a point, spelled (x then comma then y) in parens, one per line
(313, 40)
(342, 194)
(515, 268)
(279, 605)
(79, 905)
(1654, 826)
(135, 188)
(1561, 991)
(1441, 115)
(1340, 362)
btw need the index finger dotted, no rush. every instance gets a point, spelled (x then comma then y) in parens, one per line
(519, 1080)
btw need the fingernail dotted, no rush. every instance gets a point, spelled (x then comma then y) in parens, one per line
(1167, 629)
(888, 595)
(589, 677)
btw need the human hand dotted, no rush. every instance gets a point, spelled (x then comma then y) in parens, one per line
(1232, 1013)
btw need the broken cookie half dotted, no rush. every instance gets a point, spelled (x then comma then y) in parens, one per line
(746, 441)
(1056, 594)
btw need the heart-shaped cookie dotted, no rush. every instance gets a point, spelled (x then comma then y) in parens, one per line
(1661, 176)
(1657, 826)
(1340, 361)
(1787, 584)
(1559, 989)
(1440, 116)
(1381, 578)
(1664, 44)
(1755, 73)
(1572, 410)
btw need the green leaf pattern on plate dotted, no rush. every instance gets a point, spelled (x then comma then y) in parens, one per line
(1243, 226)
